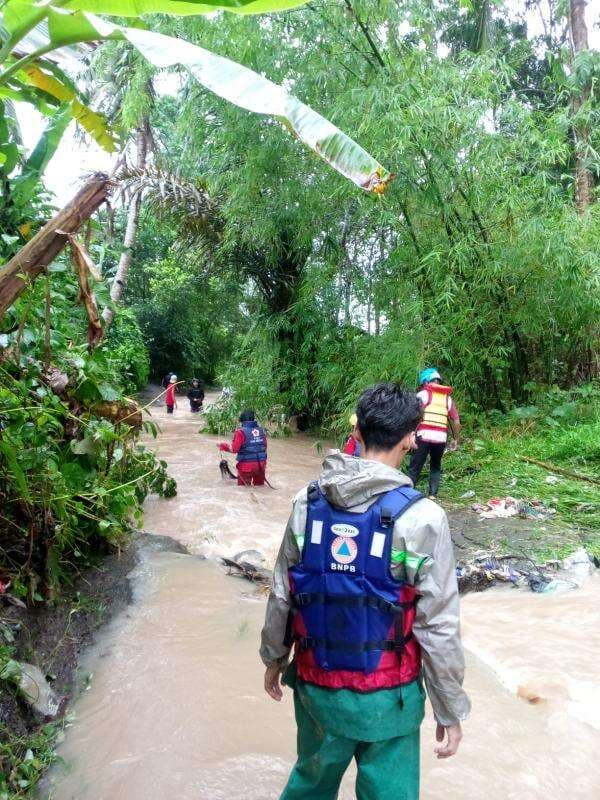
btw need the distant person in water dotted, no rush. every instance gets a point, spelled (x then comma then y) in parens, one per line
(170, 399)
(196, 396)
(353, 446)
(249, 443)
(439, 414)
(166, 380)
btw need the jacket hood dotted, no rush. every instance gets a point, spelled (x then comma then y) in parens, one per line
(349, 482)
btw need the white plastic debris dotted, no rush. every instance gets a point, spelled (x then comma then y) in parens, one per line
(37, 691)
(578, 561)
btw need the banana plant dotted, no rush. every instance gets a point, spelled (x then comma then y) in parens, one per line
(67, 22)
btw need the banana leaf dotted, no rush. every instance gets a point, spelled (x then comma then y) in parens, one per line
(19, 16)
(231, 81)
(26, 183)
(136, 8)
(249, 90)
(95, 124)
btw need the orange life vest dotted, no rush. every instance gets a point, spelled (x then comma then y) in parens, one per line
(435, 413)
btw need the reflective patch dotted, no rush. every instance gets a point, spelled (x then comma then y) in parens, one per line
(316, 531)
(377, 544)
(344, 550)
(402, 557)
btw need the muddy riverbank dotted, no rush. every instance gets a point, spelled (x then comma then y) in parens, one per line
(175, 707)
(54, 636)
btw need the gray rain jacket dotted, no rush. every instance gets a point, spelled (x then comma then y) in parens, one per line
(423, 558)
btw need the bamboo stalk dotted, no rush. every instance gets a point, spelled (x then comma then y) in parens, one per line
(46, 245)
(566, 472)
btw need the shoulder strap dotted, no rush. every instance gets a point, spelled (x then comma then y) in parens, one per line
(313, 492)
(393, 504)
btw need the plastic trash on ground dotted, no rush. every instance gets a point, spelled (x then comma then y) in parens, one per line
(579, 562)
(486, 569)
(37, 692)
(500, 507)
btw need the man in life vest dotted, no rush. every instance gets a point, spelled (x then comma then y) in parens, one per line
(365, 591)
(353, 447)
(439, 413)
(249, 443)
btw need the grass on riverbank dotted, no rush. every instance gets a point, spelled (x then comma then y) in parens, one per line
(564, 434)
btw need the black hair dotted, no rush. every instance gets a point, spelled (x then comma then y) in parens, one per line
(247, 416)
(386, 413)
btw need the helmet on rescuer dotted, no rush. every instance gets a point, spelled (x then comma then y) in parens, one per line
(430, 374)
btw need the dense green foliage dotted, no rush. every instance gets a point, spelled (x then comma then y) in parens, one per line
(24, 760)
(475, 260)
(72, 476)
(124, 346)
(185, 316)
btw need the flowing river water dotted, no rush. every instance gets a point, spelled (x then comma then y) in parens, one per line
(175, 709)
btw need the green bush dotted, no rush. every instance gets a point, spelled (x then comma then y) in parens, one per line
(563, 431)
(125, 348)
(72, 476)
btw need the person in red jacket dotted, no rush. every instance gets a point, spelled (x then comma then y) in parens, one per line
(249, 443)
(353, 446)
(170, 394)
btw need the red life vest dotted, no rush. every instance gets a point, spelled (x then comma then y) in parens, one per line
(392, 670)
(324, 590)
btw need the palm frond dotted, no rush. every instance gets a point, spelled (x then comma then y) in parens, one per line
(168, 194)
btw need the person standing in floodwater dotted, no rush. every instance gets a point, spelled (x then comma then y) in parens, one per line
(249, 443)
(170, 394)
(364, 587)
(196, 396)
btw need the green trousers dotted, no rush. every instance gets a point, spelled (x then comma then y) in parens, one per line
(387, 770)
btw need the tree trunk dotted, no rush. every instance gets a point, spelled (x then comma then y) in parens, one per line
(119, 283)
(584, 179)
(45, 246)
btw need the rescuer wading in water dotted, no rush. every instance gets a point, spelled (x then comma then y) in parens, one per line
(249, 443)
(364, 588)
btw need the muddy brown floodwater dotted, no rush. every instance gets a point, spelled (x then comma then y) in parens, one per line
(175, 706)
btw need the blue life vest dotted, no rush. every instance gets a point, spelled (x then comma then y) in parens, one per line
(357, 449)
(255, 443)
(350, 605)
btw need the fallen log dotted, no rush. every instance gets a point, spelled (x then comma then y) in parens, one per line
(45, 246)
(124, 412)
(578, 476)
